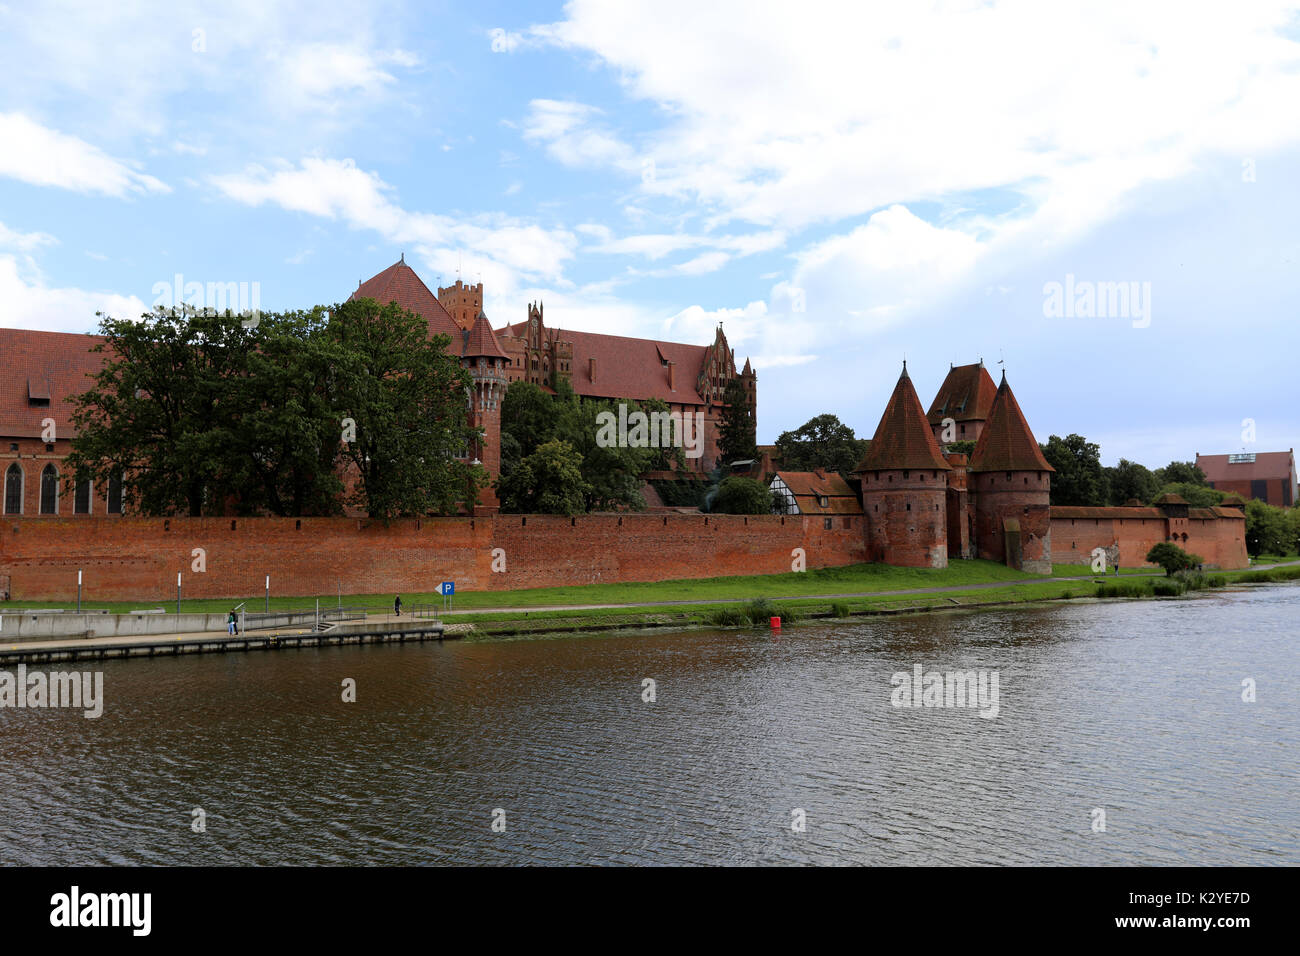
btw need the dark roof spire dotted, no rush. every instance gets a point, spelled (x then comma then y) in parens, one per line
(1006, 443)
(903, 439)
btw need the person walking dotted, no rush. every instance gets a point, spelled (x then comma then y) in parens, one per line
(397, 605)
(230, 623)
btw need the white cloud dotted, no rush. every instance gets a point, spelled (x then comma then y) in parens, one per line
(570, 133)
(856, 107)
(24, 241)
(26, 302)
(44, 157)
(507, 251)
(320, 72)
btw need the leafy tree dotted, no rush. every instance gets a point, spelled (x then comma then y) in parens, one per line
(529, 416)
(1198, 496)
(1079, 479)
(288, 436)
(549, 481)
(1180, 473)
(739, 495)
(160, 411)
(611, 473)
(1172, 558)
(821, 442)
(736, 428)
(1129, 480)
(1268, 529)
(958, 447)
(406, 396)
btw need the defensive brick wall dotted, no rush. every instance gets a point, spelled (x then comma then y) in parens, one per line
(137, 559)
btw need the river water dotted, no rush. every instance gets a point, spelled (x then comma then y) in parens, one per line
(757, 749)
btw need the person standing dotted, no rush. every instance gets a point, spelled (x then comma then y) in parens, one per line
(230, 623)
(397, 605)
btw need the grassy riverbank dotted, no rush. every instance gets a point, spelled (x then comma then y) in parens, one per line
(730, 601)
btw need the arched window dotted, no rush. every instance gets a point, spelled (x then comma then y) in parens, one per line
(81, 498)
(115, 493)
(49, 490)
(14, 490)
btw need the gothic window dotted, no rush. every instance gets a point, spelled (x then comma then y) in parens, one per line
(115, 493)
(14, 490)
(81, 498)
(49, 490)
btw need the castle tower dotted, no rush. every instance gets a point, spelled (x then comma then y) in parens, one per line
(904, 486)
(464, 302)
(1010, 487)
(486, 362)
(963, 401)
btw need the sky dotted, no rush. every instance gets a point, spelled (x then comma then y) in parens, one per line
(1101, 199)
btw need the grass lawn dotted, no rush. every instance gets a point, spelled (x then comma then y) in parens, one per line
(796, 591)
(846, 580)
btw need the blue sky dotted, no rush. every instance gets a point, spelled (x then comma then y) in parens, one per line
(839, 187)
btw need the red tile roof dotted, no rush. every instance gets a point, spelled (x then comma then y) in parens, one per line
(399, 283)
(807, 486)
(1006, 443)
(966, 394)
(903, 439)
(631, 368)
(1083, 512)
(481, 340)
(1267, 464)
(1169, 498)
(57, 364)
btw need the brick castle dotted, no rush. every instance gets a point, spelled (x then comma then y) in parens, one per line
(921, 503)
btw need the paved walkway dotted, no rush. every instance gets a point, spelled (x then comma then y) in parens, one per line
(382, 619)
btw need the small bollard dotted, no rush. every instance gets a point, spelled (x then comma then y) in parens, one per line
(776, 624)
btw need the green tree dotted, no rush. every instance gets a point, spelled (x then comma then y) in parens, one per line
(1079, 479)
(821, 442)
(1198, 496)
(161, 411)
(958, 447)
(611, 471)
(1180, 473)
(1172, 558)
(530, 416)
(737, 428)
(288, 434)
(1129, 480)
(739, 495)
(1268, 530)
(549, 481)
(406, 398)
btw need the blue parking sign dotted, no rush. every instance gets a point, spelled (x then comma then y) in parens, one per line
(448, 588)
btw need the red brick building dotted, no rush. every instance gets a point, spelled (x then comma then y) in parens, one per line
(1267, 476)
(45, 371)
(923, 507)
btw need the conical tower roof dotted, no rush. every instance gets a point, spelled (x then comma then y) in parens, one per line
(481, 340)
(903, 439)
(1006, 443)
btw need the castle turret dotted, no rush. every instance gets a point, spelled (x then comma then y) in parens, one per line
(486, 362)
(904, 486)
(961, 406)
(1011, 490)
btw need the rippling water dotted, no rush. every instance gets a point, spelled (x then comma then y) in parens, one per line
(1133, 707)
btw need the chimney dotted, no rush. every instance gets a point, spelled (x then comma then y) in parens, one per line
(672, 376)
(820, 474)
(591, 369)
